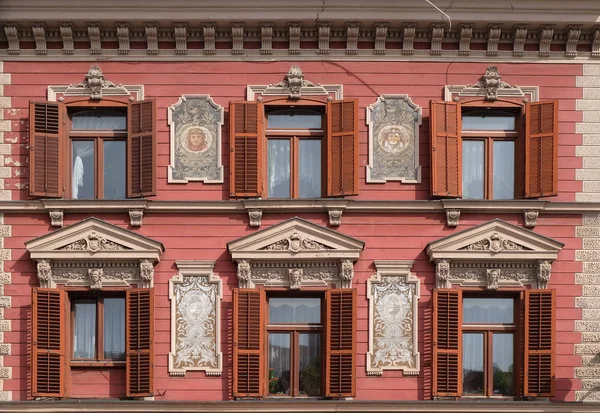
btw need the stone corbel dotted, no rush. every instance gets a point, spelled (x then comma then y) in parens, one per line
(44, 273)
(255, 216)
(335, 216)
(11, 31)
(151, 38)
(94, 35)
(572, 40)
(324, 35)
(353, 29)
(452, 217)
(135, 217)
(408, 40)
(442, 274)
(66, 33)
(266, 38)
(180, 30)
(347, 273)
(544, 272)
(530, 218)
(123, 36)
(466, 34)
(520, 35)
(244, 274)
(546, 35)
(56, 217)
(39, 33)
(596, 43)
(147, 273)
(380, 37)
(494, 32)
(294, 36)
(237, 35)
(437, 37)
(208, 31)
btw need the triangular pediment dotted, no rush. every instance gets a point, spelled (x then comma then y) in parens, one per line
(95, 239)
(497, 240)
(294, 239)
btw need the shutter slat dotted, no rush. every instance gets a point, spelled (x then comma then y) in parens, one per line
(246, 120)
(541, 149)
(141, 149)
(539, 342)
(46, 152)
(248, 339)
(446, 149)
(48, 350)
(342, 148)
(340, 339)
(140, 342)
(447, 342)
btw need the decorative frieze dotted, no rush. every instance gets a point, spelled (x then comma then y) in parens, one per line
(295, 243)
(94, 274)
(494, 32)
(195, 294)
(381, 30)
(393, 294)
(394, 122)
(93, 243)
(295, 275)
(494, 243)
(195, 123)
(39, 34)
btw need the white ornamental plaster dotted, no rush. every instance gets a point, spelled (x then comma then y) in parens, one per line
(195, 294)
(56, 217)
(5, 325)
(118, 256)
(394, 122)
(195, 161)
(393, 294)
(294, 254)
(495, 254)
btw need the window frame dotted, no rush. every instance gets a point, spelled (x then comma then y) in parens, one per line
(98, 137)
(294, 136)
(73, 295)
(294, 330)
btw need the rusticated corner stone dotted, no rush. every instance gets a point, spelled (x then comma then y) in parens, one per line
(587, 302)
(587, 349)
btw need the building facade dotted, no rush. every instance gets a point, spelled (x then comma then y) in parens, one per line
(333, 206)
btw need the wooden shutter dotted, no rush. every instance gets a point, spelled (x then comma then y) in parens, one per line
(539, 342)
(446, 149)
(48, 347)
(46, 149)
(246, 148)
(248, 339)
(140, 342)
(342, 147)
(141, 149)
(447, 342)
(340, 342)
(541, 149)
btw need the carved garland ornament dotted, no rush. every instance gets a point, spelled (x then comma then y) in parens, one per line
(295, 243)
(93, 243)
(494, 243)
(393, 294)
(96, 275)
(295, 275)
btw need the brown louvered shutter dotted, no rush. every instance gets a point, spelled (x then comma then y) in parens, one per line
(541, 149)
(539, 342)
(342, 147)
(140, 342)
(447, 342)
(46, 149)
(340, 342)
(248, 338)
(141, 149)
(48, 347)
(246, 148)
(446, 149)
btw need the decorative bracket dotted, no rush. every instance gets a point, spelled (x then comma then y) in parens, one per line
(56, 217)
(452, 217)
(255, 216)
(135, 217)
(335, 216)
(531, 218)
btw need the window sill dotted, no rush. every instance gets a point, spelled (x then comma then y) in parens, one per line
(97, 364)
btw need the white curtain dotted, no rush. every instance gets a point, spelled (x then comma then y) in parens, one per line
(114, 328)
(310, 168)
(279, 168)
(473, 169)
(84, 340)
(81, 150)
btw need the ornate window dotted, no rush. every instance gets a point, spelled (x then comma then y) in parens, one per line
(94, 308)
(493, 141)
(295, 312)
(493, 314)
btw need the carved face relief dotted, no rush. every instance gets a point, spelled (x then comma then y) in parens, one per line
(493, 275)
(44, 272)
(95, 275)
(394, 139)
(295, 278)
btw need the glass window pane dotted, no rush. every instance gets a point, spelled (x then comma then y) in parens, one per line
(309, 168)
(473, 169)
(279, 363)
(279, 168)
(504, 169)
(114, 169)
(83, 182)
(106, 120)
(295, 310)
(488, 310)
(84, 331)
(294, 119)
(498, 121)
(503, 363)
(473, 377)
(310, 364)
(114, 328)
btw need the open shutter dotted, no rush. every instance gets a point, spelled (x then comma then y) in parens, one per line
(140, 342)
(342, 147)
(446, 149)
(541, 149)
(46, 149)
(141, 149)
(246, 148)
(48, 356)
(340, 342)
(248, 339)
(539, 342)
(447, 342)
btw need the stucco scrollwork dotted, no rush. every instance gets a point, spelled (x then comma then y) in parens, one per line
(243, 273)
(96, 83)
(294, 81)
(44, 273)
(491, 82)
(494, 243)
(394, 122)
(146, 272)
(296, 243)
(93, 243)
(443, 274)
(195, 294)
(543, 276)
(347, 273)
(393, 293)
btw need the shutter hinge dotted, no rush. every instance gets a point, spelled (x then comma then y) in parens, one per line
(231, 149)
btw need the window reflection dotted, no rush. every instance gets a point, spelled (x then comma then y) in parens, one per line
(473, 377)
